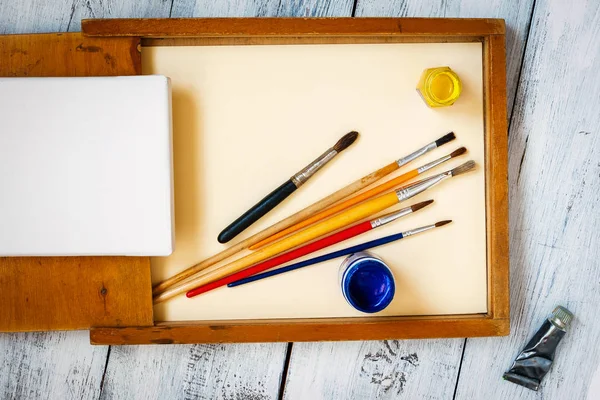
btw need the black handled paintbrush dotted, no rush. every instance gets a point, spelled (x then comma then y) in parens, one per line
(283, 191)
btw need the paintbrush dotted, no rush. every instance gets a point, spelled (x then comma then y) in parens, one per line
(287, 188)
(319, 229)
(301, 215)
(327, 241)
(360, 198)
(336, 254)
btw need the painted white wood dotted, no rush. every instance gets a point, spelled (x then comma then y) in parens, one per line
(75, 186)
(38, 16)
(262, 8)
(554, 177)
(228, 371)
(516, 13)
(53, 365)
(390, 369)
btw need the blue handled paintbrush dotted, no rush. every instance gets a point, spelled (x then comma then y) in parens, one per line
(339, 253)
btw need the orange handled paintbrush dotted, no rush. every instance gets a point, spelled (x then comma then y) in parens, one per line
(301, 215)
(332, 224)
(359, 198)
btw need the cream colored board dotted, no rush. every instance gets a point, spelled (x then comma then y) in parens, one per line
(247, 117)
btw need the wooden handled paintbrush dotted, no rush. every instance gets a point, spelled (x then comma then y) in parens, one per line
(349, 202)
(332, 224)
(322, 243)
(287, 188)
(302, 214)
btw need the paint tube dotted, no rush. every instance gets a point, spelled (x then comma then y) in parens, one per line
(534, 362)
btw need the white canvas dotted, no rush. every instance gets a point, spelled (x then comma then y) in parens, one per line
(85, 166)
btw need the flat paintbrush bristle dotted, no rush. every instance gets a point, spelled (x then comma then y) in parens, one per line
(442, 223)
(461, 169)
(420, 205)
(445, 139)
(345, 141)
(458, 152)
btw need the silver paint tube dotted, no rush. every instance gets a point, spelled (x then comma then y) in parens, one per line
(534, 362)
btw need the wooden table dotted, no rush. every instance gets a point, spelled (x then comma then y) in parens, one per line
(554, 175)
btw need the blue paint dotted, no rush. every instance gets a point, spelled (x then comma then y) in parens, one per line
(368, 284)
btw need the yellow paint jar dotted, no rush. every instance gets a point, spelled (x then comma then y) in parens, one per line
(439, 86)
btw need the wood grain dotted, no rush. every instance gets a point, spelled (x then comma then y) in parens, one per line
(295, 27)
(277, 330)
(237, 371)
(263, 8)
(389, 369)
(50, 293)
(41, 16)
(50, 365)
(554, 171)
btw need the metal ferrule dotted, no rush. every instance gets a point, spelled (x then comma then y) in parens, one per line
(418, 153)
(432, 164)
(387, 218)
(308, 171)
(417, 230)
(419, 187)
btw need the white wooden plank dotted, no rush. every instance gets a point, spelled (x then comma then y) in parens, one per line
(233, 371)
(57, 365)
(516, 13)
(554, 175)
(391, 369)
(36, 16)
(264, 8)
(82, 9)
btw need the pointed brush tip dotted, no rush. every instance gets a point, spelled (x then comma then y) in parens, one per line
(445, 139)
(442, 223)
(345, 141)
(420, 205)
(458, 152)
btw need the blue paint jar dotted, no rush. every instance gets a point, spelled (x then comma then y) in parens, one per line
(367, 282)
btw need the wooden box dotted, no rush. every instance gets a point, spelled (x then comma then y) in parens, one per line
(131, 37)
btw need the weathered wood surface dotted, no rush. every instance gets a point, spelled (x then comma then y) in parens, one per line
(50, 365)
(237, 371)
(554, 171)
(390, 369)
(555, 189)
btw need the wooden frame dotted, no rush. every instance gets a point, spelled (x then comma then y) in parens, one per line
(219, 31)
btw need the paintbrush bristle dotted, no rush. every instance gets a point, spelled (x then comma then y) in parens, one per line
(461, 169)
(458, 152)
(442, 223)
(418, 206)
(345, 141)
(448, 137)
